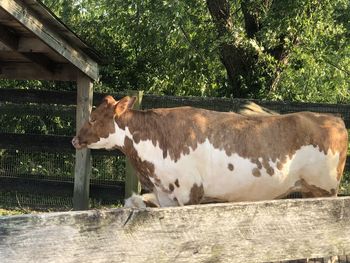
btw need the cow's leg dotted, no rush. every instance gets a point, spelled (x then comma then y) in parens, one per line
(155, 199)
(142, 201)
(165, 200)
(190, 194)
(310, 191)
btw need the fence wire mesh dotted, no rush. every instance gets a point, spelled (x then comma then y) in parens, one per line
(35, 177)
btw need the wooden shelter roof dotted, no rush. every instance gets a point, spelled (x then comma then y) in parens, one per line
(35, 44)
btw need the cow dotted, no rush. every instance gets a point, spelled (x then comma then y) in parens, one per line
(187, 155)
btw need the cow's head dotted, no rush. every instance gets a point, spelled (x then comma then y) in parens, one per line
(99, 130)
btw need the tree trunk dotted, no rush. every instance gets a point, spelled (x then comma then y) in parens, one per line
(236, 59)
(247, 75)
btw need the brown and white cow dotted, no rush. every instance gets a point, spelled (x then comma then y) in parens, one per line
(188, 155)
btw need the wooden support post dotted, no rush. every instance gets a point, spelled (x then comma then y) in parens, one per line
(132, 184)
(82, 157)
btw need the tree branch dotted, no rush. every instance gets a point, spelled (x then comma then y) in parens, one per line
(250, 19)
(187, 37)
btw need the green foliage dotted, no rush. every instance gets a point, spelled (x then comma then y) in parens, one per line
(299, 50)
(293, 49)
(318, 67)
(160, 46)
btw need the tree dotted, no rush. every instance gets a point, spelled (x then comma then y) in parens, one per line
(264, 43)
(274, 49)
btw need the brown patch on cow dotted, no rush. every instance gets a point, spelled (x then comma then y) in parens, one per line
(196, 195)
(167, 127)
(270, 171)
(257, 162)
(256, 172)
(309, 190)
(267, 166)
(144, 169)
(136, 137)
(177, 131)
(150, 203)
(230, 166)
(264, 138)
(279, 166)
(171, 187)
(333, 192)
(177, 183)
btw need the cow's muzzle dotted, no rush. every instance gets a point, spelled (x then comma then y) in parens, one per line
(76, 143)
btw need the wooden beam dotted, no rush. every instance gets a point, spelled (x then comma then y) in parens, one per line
(45, 143)
(232, 232)
(41, 59)
(27, 18)
(132, 184)
(107, 193)
(82, 157)
(34, 45)
(8, 38)
(32, 71)
(28, 44)
(11, 40)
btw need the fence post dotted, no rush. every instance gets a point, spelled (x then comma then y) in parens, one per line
(82, 157)
(132, 184)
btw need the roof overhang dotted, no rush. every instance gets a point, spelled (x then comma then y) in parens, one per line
(35, 44)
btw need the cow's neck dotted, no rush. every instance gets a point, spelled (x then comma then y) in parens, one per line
(160, 133)
(134, 126)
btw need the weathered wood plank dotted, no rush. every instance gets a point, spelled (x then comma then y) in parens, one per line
(27, 18)
(132, 184)
(12, 41)
(83, 156)
(43, 110)
(38, 96)
(32, 71)
(47, 97)
(236, 232)
(45, 143)
(8, 38)
(107, 193)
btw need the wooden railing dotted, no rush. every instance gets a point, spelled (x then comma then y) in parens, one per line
(266, 231)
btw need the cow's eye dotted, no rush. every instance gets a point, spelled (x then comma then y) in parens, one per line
(92, 120)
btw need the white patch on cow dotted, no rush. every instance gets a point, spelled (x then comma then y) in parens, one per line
(114, 139)
(315, 167)
(208, 166)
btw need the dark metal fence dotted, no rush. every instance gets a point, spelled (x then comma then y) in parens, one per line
(37, 159)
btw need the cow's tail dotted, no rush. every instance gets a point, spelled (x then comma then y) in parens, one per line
(250, 108)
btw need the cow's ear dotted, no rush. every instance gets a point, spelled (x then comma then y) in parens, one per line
(124, 104)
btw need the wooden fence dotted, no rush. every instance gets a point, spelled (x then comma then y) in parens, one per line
(232, 232)
(61, 104)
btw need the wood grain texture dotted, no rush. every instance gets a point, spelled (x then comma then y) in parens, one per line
(45, 143)
(32, 71)
(132, 184)
(105, 192)
(83, 161)
(233, 232)
(28, 18)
